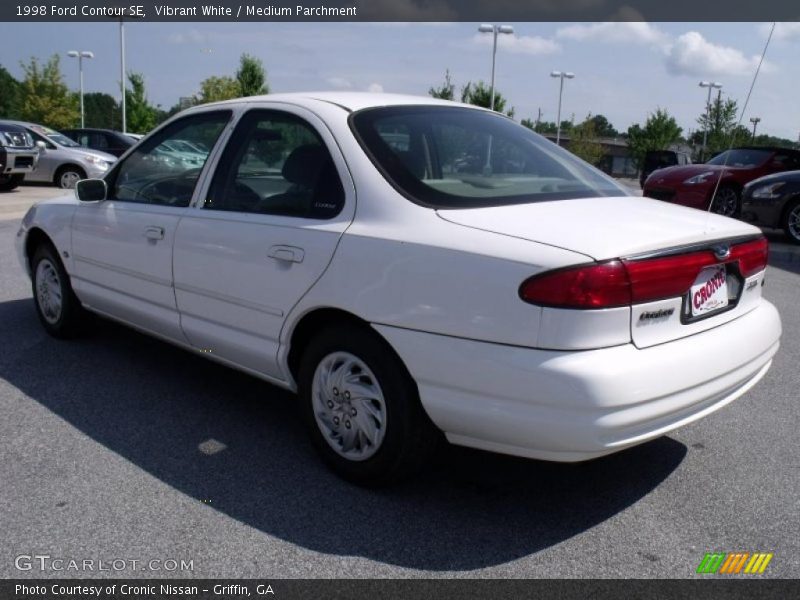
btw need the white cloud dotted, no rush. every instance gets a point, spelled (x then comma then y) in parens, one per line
(192, 36)
(637, 32)
(375, 87)
(339, 83)
(783, 31)
(692, 54)
(519, 44)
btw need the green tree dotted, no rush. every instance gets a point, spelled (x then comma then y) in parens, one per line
(101, 110)
(214, 89)
(529, 123)
(9, 96)
(251, 76)
(584, 144)
(141, 115)
(603, 127)
(480, 94)
(44, 97)
(446, 91)
(659, 132)
(722, 127)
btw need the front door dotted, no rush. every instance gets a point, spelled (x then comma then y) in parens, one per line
(122, 246)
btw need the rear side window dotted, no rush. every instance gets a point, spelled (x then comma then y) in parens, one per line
(277, 164)
(453, 157)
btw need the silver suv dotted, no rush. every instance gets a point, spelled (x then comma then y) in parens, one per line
(18, 155)
(63, 161)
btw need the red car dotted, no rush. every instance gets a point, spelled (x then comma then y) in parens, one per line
(693, 185)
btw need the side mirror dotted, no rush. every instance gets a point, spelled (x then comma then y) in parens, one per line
(91, 190)
(41, 146)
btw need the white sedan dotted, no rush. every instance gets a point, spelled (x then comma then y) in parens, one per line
(413, 267)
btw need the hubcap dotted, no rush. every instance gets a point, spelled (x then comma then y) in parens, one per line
(348, 405)
(69, 179)
(794, 222)
(48, 291)
(725, 202)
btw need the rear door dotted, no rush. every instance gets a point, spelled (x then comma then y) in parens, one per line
(122, 247)
(267, 229)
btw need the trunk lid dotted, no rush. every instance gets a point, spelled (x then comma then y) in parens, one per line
(602, 228)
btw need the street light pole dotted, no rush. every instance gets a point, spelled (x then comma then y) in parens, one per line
(560, 75)
(494, 30)
(754, 121)
(710, 85)
(122, 74)
(80, 55)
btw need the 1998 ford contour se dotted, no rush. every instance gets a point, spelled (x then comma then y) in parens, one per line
(410, 265)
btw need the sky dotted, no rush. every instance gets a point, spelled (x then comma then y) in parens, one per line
(622, 70)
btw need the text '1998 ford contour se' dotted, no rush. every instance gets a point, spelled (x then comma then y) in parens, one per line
(409, 267)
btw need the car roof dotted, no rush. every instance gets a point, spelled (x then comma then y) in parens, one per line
(768, 149)
(12, 126)
(350, 101)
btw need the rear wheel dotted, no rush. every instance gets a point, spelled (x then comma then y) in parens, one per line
(791, 221)
(58, 308)
(362, 409)
(67, 176)
(726, 201)
(10, 182)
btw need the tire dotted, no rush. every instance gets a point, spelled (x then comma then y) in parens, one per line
(369, 428)
(67, 176)
(10, 182)
(726, 201)
(59, 310)
(791, 221)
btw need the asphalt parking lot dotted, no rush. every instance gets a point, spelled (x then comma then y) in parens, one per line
(118, 446)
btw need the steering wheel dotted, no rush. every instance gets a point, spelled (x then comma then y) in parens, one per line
(168, 190)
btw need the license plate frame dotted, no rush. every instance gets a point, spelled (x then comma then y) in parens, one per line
(709, 294)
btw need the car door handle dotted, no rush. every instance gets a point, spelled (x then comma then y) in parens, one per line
(154, 233)
(287, 253)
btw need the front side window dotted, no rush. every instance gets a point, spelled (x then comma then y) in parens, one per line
(452, 157)
(159, 171)
(277, 164)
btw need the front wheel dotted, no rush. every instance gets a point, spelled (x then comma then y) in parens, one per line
(791, 222)
(58, 308)
(68, 176)
(362, 409)
(726, 202)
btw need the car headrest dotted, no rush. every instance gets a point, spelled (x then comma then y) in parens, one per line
(304, 164)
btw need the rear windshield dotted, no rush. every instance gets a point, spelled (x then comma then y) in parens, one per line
(453, 157)
(741, 158)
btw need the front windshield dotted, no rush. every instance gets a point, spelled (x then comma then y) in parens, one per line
(745, 157)
(55, 136)
(453, 157)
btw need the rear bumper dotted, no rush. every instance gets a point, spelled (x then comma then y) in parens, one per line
(15, 161)
(573, 406)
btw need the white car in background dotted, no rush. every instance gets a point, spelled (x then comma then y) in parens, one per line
(412, 266)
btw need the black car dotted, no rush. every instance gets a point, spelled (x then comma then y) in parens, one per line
(774, 201)
(18, 155)
(659, 159)
(105, 140)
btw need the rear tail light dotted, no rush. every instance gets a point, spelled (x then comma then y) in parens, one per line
(752, 256)
(623, 282)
